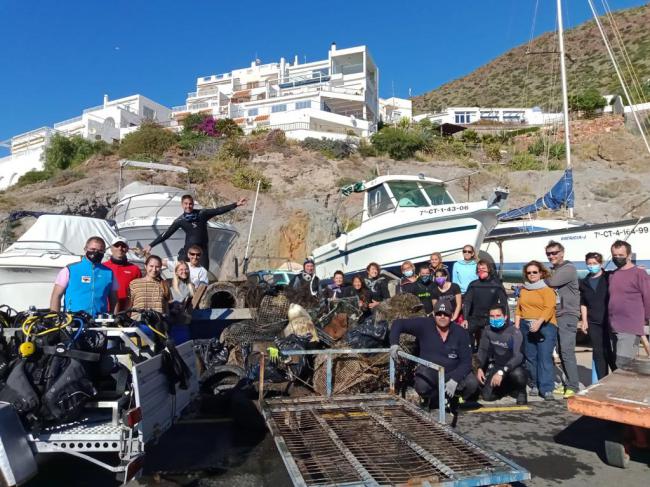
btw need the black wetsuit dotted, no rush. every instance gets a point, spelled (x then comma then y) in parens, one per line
(195, 226)
(501, 349)
(378, 287)
(423, 291)
(480, 296)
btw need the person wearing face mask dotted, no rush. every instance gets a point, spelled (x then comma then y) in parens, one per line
(594, 297)
(445, 290)
(629, 304)
(565, 282)
(481, 295)
(123, 271)
(306, 280)
(87, 285)
(423, 288)
(464, 271)
(500, 358)
(409, 279)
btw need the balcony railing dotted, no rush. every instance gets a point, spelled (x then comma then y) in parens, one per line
(68, 121)
(347, 68)
(180, 108)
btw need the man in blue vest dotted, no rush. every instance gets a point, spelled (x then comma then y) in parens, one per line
(86, 285)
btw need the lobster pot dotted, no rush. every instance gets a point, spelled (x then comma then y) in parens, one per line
(272, 309)
(351, 374)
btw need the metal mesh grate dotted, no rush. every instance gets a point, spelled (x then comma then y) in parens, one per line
(386, 443)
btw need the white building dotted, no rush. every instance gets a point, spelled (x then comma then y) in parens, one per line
(468, 115)
(393, 109)
(109, 122)
(333, 98)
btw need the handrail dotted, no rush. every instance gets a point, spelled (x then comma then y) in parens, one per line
(329, 353)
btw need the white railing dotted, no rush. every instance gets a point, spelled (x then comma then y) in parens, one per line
(198, 106)
(347, 69)
(92, 109)
(192, 94)
(180, 108)
(68, 121)
(41, 132)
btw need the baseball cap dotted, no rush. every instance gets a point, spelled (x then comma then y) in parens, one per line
(442, 307)
(119, 239)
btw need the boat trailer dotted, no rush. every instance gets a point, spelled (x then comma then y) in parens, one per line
(376, 439)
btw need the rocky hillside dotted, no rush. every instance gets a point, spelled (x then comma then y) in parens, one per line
(296, 214)
(518, 79)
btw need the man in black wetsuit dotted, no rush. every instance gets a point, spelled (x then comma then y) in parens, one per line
(500, 359)
(195, 225)
(441, 343)
(306, 281)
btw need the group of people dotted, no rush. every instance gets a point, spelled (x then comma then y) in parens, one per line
(468, 313)
(97, 286)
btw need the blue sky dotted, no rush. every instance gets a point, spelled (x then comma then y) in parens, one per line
(61, 57)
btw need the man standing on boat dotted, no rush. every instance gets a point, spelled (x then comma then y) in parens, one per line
(195, 225)
(565, 282)
(629, 303)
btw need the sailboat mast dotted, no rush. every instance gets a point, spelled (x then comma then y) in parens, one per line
(565, 94)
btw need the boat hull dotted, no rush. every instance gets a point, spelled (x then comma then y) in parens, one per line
(510, 254)
(414, 240)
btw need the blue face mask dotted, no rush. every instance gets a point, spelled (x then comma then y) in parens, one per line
(497, 322)
(594, 269)
(425, 278)
(408, 273)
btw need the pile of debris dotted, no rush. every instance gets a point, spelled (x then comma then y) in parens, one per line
(291, 322)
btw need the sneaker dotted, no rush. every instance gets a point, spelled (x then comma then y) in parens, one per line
(569, 393)
(522, 399)
(559, 390)
(548, 396)
(534, 391)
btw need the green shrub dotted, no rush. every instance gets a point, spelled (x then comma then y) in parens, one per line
(557, 151)
(193, 120)
(198, 175)
(587, 101)
(276, 137)
(522, 161)
(189, 140)
(228, 127)
(538, 147)
(446, 147)
(470, 136)
(330, 148)
(63, 152)
(232, 149)
(260, 130)
(246, 177)
(150, 141)
(365, 149)
(493, 151)
(397, 143)
(32, 177)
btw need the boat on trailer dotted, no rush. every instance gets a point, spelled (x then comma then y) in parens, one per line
(407, 217)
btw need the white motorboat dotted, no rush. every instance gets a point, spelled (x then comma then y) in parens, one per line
(407, 218)
(512, 246)
(145, 211)
(30, 265)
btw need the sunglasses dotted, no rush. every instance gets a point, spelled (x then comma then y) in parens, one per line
(443, 314)
(532, 272)
(194, 254)
(552, 254)
(121, 245)
(468, 251)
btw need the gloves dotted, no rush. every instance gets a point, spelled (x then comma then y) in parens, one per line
(393, 352)
(450, 388)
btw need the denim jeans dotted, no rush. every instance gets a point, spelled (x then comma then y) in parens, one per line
(539, 356)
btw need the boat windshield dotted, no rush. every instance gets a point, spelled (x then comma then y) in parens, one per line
(437, 194)
(407, 193)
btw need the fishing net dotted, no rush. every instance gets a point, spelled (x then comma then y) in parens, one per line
(351, 374)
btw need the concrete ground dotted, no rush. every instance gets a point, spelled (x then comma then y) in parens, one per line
(557, 447)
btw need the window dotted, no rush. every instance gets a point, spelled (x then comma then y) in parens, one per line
(407, 193)
(278, 108)
(318, 73)
(513, 116)
(463, 117)
(379, 201)
(492, 116)
(148, 113)
(303, 104)
(253, 112)
(437, 194)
